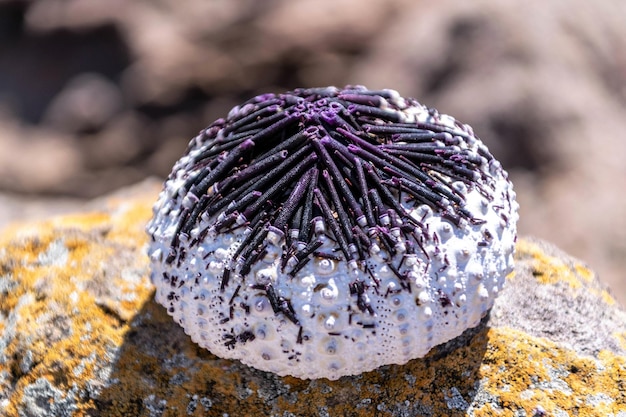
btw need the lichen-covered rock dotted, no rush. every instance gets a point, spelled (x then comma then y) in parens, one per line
(80, 335)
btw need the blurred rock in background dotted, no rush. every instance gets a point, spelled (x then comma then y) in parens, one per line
(97, 95)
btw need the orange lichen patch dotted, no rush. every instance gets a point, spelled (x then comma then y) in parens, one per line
(550, 269)
(524, 373)
(607, 298)
(135, 217)
(584, 273)
(64, 318)
(511, 276)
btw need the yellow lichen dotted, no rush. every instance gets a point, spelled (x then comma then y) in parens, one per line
(607, 298)
(60, 326)
(549, 269)
(81, 305)
(584, 273)
(526, 372)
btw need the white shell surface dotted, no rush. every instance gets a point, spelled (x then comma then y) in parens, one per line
(434, 295)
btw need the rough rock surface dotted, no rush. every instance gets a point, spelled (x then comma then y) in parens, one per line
(81, 335)
(100, 94)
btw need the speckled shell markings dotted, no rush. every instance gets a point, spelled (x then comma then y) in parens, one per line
(338, 303)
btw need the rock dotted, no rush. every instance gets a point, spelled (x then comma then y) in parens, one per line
(81, 335)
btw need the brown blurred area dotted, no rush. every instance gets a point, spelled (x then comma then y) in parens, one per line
(96, 95)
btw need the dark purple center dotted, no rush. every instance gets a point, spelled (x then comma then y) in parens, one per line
(346, 159)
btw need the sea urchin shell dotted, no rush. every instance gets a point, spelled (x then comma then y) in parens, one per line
(326, 232)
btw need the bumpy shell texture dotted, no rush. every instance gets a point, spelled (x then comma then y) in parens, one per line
(326, 232)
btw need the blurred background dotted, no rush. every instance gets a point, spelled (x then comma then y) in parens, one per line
(96, 95)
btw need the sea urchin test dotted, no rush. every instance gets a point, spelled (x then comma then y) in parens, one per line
(326, 232)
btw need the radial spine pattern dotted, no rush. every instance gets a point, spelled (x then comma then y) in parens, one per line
(347, 177)
(353, 154)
